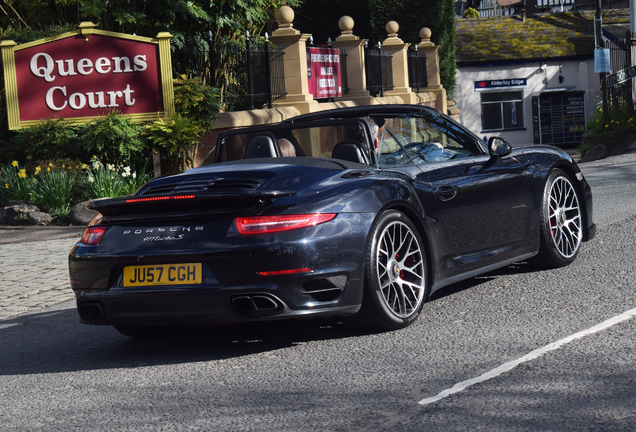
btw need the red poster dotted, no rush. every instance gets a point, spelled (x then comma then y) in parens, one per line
(324, 73)
(73, 77)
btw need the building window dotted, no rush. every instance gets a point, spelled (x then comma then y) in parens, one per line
(502, 111)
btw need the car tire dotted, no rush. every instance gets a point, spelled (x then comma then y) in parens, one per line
(148, 332)
(396, 274)
(561, 230)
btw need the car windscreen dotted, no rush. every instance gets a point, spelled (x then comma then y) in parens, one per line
(424, 137)
(340, 139)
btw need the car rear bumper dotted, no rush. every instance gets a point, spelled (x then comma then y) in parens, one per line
(200, 307)
(241, 280)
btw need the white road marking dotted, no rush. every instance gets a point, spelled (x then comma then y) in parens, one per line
(530, 356)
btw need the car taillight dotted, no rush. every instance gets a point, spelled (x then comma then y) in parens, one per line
(271, 224)
(160, 198)
(93, 235)
(286, 272)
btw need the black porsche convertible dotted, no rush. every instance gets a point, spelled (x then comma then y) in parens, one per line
(360, 212)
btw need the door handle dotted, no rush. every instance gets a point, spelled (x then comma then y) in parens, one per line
(446, 193)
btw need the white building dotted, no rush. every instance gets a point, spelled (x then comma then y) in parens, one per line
(527, 80)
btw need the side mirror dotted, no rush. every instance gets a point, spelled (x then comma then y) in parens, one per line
(498, 147)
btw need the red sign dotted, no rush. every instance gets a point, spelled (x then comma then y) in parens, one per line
(324, 73)
(74, 77)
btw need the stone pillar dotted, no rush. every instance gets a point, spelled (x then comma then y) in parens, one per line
(293, 43)
(432, 69)
(356, 73)
(399, 50)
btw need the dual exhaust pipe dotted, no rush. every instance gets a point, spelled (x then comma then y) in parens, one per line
(257, 304)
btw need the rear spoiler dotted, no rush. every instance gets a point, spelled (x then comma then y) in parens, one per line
(184, 204)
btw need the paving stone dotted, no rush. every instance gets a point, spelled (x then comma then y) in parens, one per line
(35, 272)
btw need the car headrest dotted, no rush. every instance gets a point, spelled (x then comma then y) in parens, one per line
(351, 151)
(261, 146)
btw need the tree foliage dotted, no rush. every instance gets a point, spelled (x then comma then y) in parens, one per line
(471, 13)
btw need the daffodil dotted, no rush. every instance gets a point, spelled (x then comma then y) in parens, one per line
(6, 185)
(48, 168)
(38, 169)
(14, 163)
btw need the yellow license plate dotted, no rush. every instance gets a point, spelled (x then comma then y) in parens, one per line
(164, 274)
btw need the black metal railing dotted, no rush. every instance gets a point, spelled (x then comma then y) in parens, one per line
(379, 71)
(621, 57)
(193, 63)
(250, 75)
(418, 77)
(344, 77)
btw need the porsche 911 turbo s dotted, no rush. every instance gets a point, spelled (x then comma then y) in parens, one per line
(361, 212)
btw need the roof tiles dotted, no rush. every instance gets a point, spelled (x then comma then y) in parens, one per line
(501, 39)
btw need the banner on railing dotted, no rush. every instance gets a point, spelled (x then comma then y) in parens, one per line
(324, 73)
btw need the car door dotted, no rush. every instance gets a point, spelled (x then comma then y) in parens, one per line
(483, 203)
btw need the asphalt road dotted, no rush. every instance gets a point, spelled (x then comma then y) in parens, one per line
(323, 375)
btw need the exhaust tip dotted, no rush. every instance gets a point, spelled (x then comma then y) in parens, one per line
(91, 310)
(257, 304)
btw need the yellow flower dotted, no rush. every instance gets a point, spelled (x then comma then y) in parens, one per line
(14, 163)
(63, 166)
(38, 169)
(6, 185)
(49, 169)
(50, 164)
(606, 125)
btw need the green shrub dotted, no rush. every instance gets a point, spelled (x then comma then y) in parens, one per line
(176, 138)
(197, 101)
(113, 139)
(600, 130)
(471, 13)
(54, 190)
(48, 139)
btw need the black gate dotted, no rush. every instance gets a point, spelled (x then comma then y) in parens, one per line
(621, 57)
(379, 71)
(418, 77)
(250, 75)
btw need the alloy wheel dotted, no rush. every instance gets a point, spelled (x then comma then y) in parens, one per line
(565, 217)
(400, 269)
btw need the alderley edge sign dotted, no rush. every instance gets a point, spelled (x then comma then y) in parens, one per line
(88, 73)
